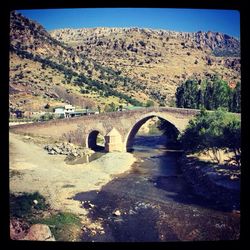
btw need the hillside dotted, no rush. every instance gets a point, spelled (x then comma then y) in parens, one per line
(157, 59)
(91, 67)
(44, 70)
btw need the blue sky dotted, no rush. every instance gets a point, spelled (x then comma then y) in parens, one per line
(187, 20)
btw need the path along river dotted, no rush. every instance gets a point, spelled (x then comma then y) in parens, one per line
(154, 203)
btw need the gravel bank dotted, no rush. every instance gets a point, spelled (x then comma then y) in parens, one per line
(32, 169)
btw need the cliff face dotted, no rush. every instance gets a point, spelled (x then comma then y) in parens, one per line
(91, 67)
(119, 38)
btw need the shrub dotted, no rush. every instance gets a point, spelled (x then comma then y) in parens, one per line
(23, 205)
(213, 131)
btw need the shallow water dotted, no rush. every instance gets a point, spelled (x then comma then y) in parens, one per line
(155, 203)
(85, 158)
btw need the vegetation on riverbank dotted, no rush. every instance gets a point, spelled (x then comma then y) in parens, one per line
(214, 132)
(32, 208)
(211, 160)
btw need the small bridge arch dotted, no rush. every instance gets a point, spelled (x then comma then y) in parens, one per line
(91, 139)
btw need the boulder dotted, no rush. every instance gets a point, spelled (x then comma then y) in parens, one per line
(39, 232)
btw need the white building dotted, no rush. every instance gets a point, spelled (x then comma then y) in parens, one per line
(69, 108)
(66, 111)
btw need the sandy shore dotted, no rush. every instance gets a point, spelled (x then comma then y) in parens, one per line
(34, 170)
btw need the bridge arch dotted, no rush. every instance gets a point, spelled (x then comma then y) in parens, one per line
(92, 140)
(128, 143)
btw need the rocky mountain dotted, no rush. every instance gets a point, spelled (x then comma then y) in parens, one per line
(157, 59)
(91, 67)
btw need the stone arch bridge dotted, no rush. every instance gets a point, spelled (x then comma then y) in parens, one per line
(118, 128)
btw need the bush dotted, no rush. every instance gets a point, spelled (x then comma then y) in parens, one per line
(23, 205)
(149, 103)
(64, 226)
(46, 117)
(212, 131)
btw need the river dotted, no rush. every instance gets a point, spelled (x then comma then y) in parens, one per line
(153, 203)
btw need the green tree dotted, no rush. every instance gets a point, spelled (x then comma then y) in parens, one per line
(186, 95)
(210, 94)
(46, 117)
(221, 94)
(180, 97)
(110, 107)
(200, 99)
(211, 132)
(232, 139)
(149, 103)
(235, 101)
(99, 109)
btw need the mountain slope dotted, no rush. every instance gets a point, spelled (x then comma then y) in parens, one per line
(48, 71)
(158, 59)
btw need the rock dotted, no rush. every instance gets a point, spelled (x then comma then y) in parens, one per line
(39, 232)
(88, 151)
(35, 202)
(74, 153)
(234, 177)
(67, 149)
(131, 212)
(236, 211)
(57, 150)
(91, 205)
(117, 213)
(18, 229)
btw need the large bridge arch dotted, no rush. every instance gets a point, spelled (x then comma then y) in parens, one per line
(129, 139)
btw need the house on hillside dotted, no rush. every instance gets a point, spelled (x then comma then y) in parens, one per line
(70, 111)
(64, 111)
(59, 112)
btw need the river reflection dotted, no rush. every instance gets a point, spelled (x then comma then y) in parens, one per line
(85, 158)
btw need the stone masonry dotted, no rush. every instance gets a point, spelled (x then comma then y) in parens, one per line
(118, 128)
